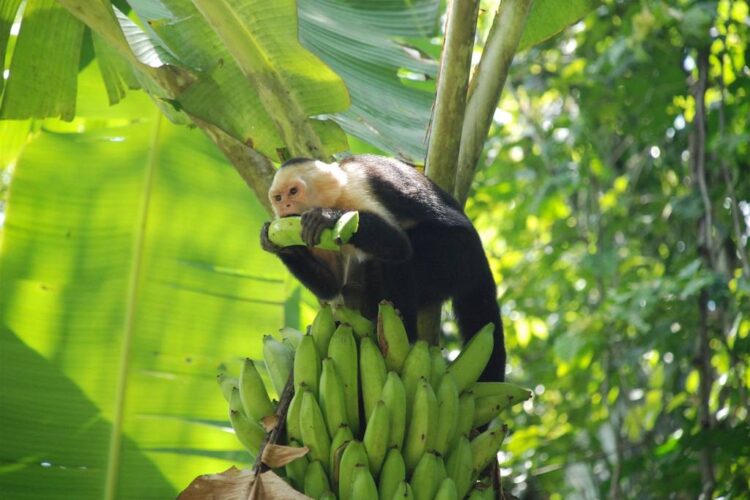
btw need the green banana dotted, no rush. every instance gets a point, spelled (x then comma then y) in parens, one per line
(296, 470)
(279, 358)
(447, 397)
(307, 365)
(293, 431)
(331, 397)
(227, 383)
(459, 465)
(392, 337)
(354, 454)
(425, 478)
(340, 439)
(403, 492)
(416, 367)
(493, 397)
(342, 349)
(419, 426)
(392, 473)
(235, 402)
(316, 480)
(253, 394)
(470, 364)
(286, 231)
(432, 417)
(371, 374)
(439, 366)
(291, 335)
(363, 485)
(249, 433)
(466, 410)
(447, 490)
(328, 495)
(313, 429)
(361, 326)
(482, 492)
(484, 449)
(376, 437)
(394, 397)
(322, 328)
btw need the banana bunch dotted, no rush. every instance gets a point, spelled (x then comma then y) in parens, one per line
(381, 418)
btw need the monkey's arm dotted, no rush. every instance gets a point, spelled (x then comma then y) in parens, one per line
(316, 275)
(375, 236)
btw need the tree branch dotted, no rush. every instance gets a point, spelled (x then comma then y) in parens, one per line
(486, 87)
(705, 248)
(450, 103)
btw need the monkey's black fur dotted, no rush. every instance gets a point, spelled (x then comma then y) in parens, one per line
(433, 254)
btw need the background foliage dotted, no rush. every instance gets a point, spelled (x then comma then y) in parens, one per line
(622, 265)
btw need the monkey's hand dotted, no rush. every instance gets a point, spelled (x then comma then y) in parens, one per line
(315, 220)
(266, 244)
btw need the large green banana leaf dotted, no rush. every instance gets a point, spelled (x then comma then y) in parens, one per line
(130, 272)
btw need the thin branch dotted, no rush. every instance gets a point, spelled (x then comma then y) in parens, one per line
(273, 437)
(452, 85)
(703, 349)
(486, 87)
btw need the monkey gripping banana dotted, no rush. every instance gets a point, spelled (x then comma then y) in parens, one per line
(286, 231)
(380, 418)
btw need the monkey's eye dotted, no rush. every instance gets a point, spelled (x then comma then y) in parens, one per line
(277, 197)
(293, 191)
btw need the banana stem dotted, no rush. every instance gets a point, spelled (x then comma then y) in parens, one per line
(273, 437)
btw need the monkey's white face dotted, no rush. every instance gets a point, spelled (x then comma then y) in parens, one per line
(297, 188)
(288, 194)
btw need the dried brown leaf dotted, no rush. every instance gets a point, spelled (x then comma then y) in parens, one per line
(276, 455)
(269, 422)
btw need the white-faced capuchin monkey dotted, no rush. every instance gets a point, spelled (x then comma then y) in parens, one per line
(414, 246)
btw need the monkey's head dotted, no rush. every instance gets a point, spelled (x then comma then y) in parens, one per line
(302, 183)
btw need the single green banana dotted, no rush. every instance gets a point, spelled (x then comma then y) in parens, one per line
(342, 349)
(316, 480)
(279, 358)
(470, 364)
(494, 397)
(354, 454)
(439, 366)
(459, 465)
(292, 335)
(361, 326)
(313, 429)
(419, 427)
(331, 397)
(466, 410)
(392, 337)
(447, 490)
(482, 492)
(322, 328)
(394, 397)
(484, 449)
(293, 430)
(392, 474)
(403, 492)
(340, 440)
(249, 433)
(227, 383)
(235, 401)
(425, 480)
(307, 365)
(328, 495)
(363, 485)
(371, 374)
(296, 470)
(287, 231)
(376, 437)
(416, 367)
(433, 416)
(253, 393)
(447, 398)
